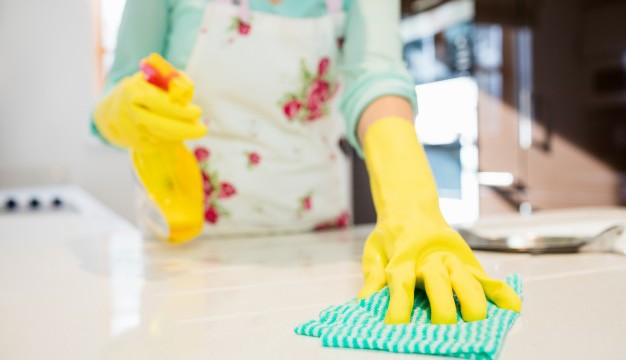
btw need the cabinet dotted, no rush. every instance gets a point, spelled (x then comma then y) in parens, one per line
(539, 122)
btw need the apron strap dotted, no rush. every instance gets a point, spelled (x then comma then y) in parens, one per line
(244, 8)
(333, 6)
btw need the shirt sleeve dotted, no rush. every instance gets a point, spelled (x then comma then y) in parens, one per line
(142, 31)
(372, 63)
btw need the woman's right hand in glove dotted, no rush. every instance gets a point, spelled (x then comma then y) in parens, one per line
(141, 116)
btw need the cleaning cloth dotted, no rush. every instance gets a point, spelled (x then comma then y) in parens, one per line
(359, 324)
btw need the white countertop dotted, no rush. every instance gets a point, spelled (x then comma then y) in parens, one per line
(85, 285)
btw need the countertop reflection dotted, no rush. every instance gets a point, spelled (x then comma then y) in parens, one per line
(86, 285)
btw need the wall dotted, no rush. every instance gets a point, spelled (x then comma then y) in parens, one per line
(47, 90)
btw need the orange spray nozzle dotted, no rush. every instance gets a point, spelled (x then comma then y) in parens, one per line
(163, 75)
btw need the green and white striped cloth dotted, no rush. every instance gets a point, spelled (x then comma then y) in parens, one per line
(360, 325)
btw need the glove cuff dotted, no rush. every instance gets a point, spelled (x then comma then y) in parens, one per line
(400, 175)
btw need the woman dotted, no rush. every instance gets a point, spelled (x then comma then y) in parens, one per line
(266, 79)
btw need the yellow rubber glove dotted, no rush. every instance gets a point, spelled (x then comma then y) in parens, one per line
(141, 116)
(412, 245)
(151, 114)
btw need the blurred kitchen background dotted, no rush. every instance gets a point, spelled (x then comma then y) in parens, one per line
(522, 103)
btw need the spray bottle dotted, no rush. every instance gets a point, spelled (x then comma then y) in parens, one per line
(171, 198)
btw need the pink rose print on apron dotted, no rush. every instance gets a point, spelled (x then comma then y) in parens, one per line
(215, 191)
(240, 26)
(342, 221)
(254, 159)
(311, 102)
(305, 203)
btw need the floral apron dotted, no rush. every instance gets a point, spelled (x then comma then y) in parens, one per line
(271, 161)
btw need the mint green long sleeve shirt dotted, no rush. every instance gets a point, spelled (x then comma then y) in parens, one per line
(372, 62)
